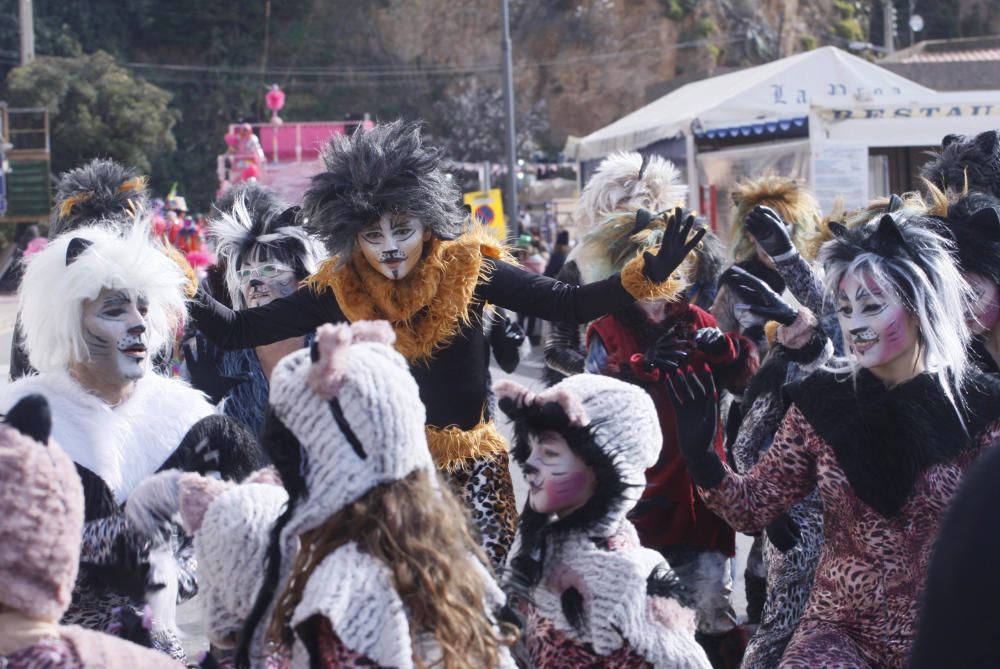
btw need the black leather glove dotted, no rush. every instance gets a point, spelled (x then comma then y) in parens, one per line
(758, 296)
(783, 533)
(769, 230)
(506, 337)
(696, 406)
(667, 353)
(711, 341)
(203, 365)
(674, 248)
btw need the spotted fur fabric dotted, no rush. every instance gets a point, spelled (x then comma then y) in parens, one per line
(485, 488)
(46, 654)
(549, 648)
(863, 606)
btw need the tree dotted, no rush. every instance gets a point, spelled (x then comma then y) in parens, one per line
(97, 108)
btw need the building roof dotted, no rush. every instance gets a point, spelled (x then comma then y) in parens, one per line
(969, 50)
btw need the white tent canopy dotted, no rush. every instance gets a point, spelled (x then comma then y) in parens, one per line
(778, 91)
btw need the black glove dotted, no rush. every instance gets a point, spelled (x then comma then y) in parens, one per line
(667, 353)
(711, 341)
(758, 296)
(673, 249)
(203, 365)
(506, 337)
(769, 230)
(696, 405)
(783, 533)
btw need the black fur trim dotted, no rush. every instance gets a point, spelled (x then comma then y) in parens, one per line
(809, 352)
(885, 438)
(98, 500)
(572, 608)
(100, 180)
(664, 582)
(974, 223)
(961, 157)
(382, 170)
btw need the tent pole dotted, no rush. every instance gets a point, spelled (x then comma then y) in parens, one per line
(692, 170)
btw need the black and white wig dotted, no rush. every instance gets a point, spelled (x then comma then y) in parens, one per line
(73, 269)
(908, 258)
(102, 192)
(376, 171)
(250, 224)
(974, 222)
(966, 163)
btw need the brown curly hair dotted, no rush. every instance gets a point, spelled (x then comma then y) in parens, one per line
(419, 530)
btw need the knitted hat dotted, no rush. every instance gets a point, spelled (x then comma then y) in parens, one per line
(41, 506)
(611, 424)
(354, 407)
(231, 526)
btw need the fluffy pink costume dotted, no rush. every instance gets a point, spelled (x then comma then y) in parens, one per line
(41, 523)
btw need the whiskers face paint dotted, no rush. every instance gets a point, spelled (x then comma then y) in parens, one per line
(559, 481)
(875, 324)
(393, 245)
(114, 329)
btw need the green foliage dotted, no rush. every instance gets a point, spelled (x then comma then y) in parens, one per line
(705, 27)
(849, 29)
(97, 108)
(807, 43)
(675, 10)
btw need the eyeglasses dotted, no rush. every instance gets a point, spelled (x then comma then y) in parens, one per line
(263, 272)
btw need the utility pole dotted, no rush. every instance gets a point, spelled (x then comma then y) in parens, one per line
(27, 22)
(888, 25)
(508, 90)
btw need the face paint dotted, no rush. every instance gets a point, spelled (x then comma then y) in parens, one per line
(393, 245)
(876, 326)
(264, 281)
(559, 481)
(985, 310)
(114, 327)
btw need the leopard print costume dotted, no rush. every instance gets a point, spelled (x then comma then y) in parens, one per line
(863, 607)
(485, 487)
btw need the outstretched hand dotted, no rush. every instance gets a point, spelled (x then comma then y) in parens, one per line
(769, 231)
(696, 406)
(757, 297)
(674, 248)
(203, 364)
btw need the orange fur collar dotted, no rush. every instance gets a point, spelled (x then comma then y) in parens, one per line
(428, 307)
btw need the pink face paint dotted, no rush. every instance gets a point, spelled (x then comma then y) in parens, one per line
(559, 481)
(874, 323)
(985, 311)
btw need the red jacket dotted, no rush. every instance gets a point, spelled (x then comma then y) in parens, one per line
(671, 512)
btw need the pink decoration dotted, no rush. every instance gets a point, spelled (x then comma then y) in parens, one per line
(275, 98)
(200, 259)
(249, 172)
(232, 139)
(35, 245)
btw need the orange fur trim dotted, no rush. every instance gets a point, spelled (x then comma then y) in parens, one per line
(452, 447)
(66, 208)
(428, 307)
(135, 183)
(641, 288)
(771, 332)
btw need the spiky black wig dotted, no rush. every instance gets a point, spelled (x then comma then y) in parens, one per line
(966, 161)
(98, 192)
(974, 222)
(250, 224)
(386, 169)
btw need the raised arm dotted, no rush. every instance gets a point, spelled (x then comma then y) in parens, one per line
(783, 476)
(294, 316)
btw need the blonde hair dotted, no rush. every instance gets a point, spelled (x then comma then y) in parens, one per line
(421, 533)
(796, 206)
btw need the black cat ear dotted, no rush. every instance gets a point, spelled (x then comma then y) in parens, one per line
(949, 140)
(895, 203)
(888, 231)
(77, 245)
(987, 217)
(31, 416)
(838, 230)
(314, 352)
(987, 141)
(642, 219)
(642, 167)
(288, 217)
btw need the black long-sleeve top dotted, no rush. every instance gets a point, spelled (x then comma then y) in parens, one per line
(453, 381)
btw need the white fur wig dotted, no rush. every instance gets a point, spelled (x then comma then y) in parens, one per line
(629, 181)
(56, 286)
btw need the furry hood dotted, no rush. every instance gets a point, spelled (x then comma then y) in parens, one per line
(122, 445)
(974, 222)
(966, 163)
(629, 181)
(376, 171)
(100, 192)
(250, 224)
(796, 206)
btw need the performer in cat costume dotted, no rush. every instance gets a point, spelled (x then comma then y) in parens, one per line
(885, 440)
(401, 250)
